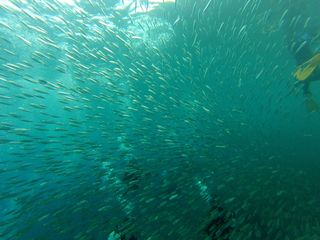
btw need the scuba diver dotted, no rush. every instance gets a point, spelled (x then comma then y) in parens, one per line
(303, 44)
(131, 182)
(219, 225)
(120, 234)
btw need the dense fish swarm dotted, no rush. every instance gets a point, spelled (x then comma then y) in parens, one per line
(148, 119)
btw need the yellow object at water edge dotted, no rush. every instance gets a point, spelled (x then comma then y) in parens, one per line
(306, 69)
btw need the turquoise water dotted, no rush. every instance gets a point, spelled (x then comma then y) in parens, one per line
(157, 120)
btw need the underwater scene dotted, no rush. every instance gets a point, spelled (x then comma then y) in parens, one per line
(159, 119)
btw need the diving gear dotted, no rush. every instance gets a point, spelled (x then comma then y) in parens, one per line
(304, 71)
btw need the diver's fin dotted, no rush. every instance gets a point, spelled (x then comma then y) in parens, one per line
(311, 104)
(306, 69)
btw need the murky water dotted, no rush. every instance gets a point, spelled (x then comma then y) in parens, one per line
(149, 119)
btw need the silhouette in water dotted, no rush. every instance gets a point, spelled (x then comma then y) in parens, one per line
(219, 224)
(302, 39)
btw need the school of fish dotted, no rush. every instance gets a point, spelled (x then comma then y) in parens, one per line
(158, 119)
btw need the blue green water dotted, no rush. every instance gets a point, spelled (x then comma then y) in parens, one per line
(157, 119)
